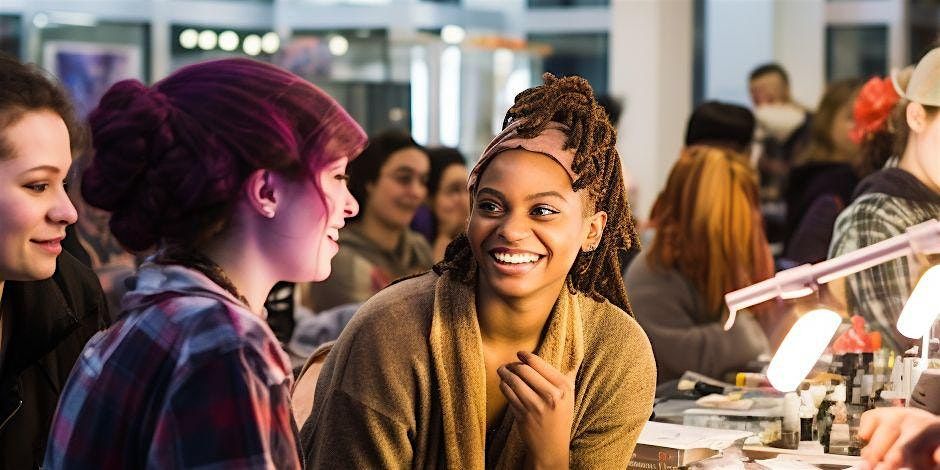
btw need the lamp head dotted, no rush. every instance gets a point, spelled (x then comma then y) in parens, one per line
(801, 348)
(922, 306)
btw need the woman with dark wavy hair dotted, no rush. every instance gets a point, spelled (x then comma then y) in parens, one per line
(519, 349)
(235, 172)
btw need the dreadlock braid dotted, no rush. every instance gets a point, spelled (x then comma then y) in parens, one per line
(570, 101)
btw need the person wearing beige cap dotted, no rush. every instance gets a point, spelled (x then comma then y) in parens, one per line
(519, 349)
(893, 199)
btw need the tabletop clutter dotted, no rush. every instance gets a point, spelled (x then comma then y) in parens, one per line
(824, 412)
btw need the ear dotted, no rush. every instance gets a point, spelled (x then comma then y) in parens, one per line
(595, 231)
(261, 193)
(916, 117)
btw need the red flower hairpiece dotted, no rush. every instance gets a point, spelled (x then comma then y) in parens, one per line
(872, 107)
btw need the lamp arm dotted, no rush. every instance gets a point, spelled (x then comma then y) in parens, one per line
(799, 281)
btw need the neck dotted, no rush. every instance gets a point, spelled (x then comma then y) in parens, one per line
(910, 164)
(383, 235)
(514, 320)
(245, 267)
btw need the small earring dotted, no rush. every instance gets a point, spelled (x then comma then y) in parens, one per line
(269, 213)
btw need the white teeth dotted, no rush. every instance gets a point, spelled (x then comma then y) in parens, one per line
(515, 258)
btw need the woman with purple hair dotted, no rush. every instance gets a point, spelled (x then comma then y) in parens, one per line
(235, 172)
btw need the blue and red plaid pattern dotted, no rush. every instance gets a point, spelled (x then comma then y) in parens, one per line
(188, 377)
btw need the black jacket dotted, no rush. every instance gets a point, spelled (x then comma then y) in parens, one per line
(49, 322)
(816, 194)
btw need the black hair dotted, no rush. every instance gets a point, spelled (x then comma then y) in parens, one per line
(365, 169)
(441, 159)
(720, 124)
(769, 68)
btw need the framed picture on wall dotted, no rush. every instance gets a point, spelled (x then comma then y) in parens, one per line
(88, 69)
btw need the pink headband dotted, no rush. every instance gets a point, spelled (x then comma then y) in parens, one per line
(550, 142)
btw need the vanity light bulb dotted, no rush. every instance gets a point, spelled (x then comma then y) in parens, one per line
(801, 348)
(922, 306)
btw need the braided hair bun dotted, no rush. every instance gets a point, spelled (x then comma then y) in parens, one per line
(170, 160)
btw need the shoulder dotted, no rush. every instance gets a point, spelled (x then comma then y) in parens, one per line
(400, 311)
(208, 329)
(869, 219)
(610, 333)
(420, 244)
(647, 286)
(80, 287)
(618, 361)
(642, 273)
(382, 358)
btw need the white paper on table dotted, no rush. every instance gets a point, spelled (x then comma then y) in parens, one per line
(797, 462)
(677, 436)
(778, 463)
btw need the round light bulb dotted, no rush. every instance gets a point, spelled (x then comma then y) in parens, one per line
(40, 20)
(453, 34)
(270, 43)
(208, 40)
(228, 40)
(338, 45)
(189, 38)
(252, 44)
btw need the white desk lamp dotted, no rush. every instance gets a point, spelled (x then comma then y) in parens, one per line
(810, 335)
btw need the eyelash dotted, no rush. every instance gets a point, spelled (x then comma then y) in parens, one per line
(538, 211)
(482, 206)
(42, 187)
(543, 208)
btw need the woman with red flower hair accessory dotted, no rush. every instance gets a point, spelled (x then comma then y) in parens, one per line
(892, 199)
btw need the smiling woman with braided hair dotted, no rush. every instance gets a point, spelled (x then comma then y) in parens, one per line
(519, 349)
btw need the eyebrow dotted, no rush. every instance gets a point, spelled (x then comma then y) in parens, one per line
(546, 194)
(530, 197)
(49, 168)
(492, 192)
(407, 169)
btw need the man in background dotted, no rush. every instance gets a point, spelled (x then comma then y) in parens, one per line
(782, 130)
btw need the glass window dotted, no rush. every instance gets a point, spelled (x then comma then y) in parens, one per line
(856, 51)
(583, 54)
(354, 67)
(10, 35)
(89, 59)
(924, 18)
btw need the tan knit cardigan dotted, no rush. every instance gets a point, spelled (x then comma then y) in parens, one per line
(404, 386)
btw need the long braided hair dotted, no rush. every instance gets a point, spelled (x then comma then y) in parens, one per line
(570, 101)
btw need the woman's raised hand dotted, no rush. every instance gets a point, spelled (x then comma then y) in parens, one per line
(542, 399)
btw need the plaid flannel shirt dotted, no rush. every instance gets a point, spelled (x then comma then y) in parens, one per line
(879, 293)
(187, 377)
